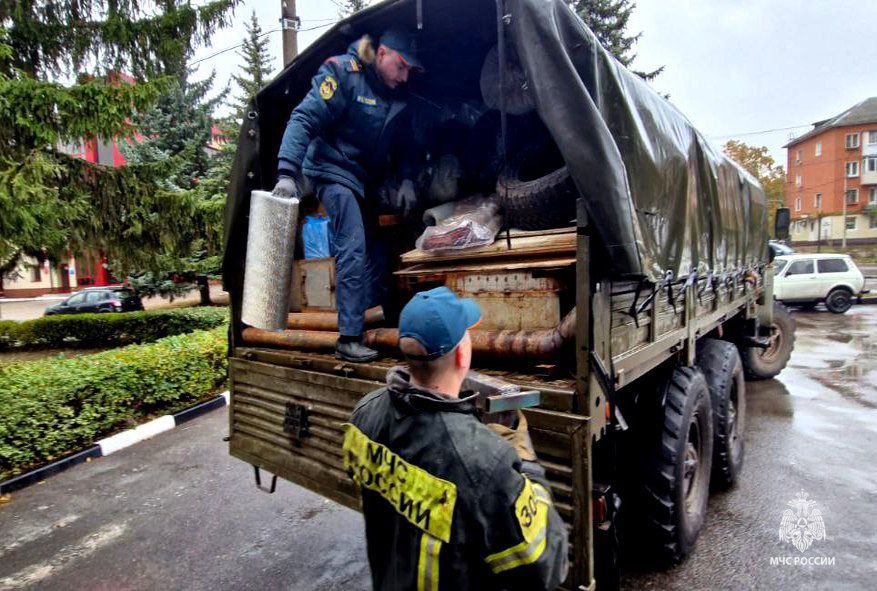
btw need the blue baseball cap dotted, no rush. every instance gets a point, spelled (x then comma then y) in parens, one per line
(438, 320)
(404, 44)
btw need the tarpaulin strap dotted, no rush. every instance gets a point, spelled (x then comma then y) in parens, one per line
(671, 296)
(634, 310)
(689, 281)
(707, 283)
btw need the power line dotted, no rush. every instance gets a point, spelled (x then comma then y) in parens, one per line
(232, 48)
(227, 49)
(762, 132)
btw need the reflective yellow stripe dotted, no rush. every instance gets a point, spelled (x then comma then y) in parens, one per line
(428, 563)
(531, 509)
(423, 499)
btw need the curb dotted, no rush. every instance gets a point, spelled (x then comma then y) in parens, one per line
(112, 444)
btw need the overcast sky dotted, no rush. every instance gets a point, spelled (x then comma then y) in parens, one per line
(733, 67)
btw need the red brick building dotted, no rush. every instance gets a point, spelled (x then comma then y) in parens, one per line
(832, 180)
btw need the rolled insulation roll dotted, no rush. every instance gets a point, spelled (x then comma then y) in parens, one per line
(268, 270)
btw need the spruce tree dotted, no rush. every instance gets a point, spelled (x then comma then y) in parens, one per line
(58, 88)
(179, 129)
(349, 7)
(608, 19)
(256, 69)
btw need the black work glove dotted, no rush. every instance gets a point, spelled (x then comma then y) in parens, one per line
(287, 187)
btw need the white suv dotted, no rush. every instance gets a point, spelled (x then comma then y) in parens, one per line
(807, 279)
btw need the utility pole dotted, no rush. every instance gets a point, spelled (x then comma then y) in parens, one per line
(843, 221)
(289, 24)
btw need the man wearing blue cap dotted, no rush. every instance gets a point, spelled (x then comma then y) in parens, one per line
(449, 504)
(341, 137)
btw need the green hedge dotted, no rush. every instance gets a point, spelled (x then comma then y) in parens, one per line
(108, 330)
(49, 408)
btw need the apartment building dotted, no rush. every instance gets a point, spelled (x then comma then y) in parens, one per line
(831, 187)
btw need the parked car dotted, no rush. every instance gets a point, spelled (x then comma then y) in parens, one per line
(808, 279)
(779, 249)
(98, 299)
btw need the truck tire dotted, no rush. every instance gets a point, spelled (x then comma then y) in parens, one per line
(763, 364)
(839, 300)
(721, 366)
(537, 199)
(676, 482)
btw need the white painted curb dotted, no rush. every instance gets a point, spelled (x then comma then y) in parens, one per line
(120, 441)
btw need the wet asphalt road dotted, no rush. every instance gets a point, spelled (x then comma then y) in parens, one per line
(177, 513)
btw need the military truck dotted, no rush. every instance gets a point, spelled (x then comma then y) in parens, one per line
(631, 285)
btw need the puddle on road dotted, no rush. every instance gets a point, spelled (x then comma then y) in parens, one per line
(839, 352)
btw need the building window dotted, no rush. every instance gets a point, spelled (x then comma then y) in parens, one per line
(872, 137)
(871, 164)
(817, 203)
(852, 140)
(798, 157)
(852, 196)
(851, 222)
(36, 273)
(799, 180)
(798, 204)
(872, 196)
(819, 148)
(853, 169)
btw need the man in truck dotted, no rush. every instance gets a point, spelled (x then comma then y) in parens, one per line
(341, 137)
(449, 503)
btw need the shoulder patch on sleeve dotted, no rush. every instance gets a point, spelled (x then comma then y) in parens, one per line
(328, 88)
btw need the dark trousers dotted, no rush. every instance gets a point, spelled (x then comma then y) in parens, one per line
(360, 257)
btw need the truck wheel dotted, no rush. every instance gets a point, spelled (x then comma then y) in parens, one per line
(723, 372)
(763, 364)
(839, 300)
(678, 471)
(540, 195)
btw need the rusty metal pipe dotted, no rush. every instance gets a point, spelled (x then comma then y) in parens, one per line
(301, 340)
(536, 345)
(328, 321)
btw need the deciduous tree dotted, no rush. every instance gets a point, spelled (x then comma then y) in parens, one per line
(761, 165)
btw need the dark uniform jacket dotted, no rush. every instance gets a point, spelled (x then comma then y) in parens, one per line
(346, 127)
(448, 504)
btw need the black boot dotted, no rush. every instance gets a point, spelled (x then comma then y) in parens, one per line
(354, 351)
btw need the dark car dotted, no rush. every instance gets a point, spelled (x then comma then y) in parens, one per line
(98, 299)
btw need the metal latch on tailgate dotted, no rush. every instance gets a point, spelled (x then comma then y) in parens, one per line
(295, 422)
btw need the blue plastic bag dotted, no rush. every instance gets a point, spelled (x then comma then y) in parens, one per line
(315, 235)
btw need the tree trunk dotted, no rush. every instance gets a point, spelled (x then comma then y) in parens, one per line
(204, 289)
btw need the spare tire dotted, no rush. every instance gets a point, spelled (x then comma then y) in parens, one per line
(537, 199)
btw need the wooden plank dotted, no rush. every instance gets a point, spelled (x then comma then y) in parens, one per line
(557, 422)
(540, 244)
(300, 470)
(550, 443)
(474, 267)
(266, 430)
(241, 395)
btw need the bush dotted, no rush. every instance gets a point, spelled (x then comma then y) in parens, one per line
(108, 330)
(53, 407)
